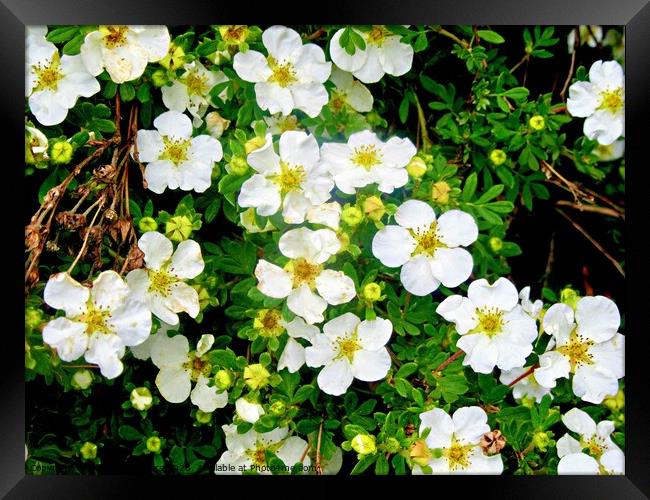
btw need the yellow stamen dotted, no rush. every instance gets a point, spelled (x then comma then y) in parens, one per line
(175, 151)
(290, 177)
(428, 241)
(611, 100)
(490, 320)
(304, 272)
(161, 282)
(457, 455)
(577, 350)
(283, 74)
(48, 76)
(114, 36)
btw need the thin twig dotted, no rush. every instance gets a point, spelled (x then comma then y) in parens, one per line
(568, 77)
(524, 375)
(304, 453)
(591, 208)
(85, 242)
(319, 469)
(449, 361)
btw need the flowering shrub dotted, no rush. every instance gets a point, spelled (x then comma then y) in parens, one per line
(284, 250)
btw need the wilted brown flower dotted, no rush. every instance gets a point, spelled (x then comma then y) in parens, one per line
(70, 221)
(493, 442)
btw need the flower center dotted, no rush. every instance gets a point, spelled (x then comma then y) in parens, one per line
(234, 34)
(287, 123)
(283, 74)
(196, 84)
(611, 100)
(114, 36)
(175, 151)
(427, 240)
(457, 455)
(95, 320)
(577, 350)
(348, 346)
(366, 156)
(595, 446)
(197, 366)
(48, 76)
(338, 101)
(267, 322)
(161, 282)
(490, 320)
(605, 150)
(377, 35)
(290, 177)
(304, 272)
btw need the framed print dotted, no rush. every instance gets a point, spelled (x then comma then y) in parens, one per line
(328, 246)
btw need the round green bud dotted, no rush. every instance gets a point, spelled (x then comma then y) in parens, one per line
(82, 379)
(364, 444)
(537, 122)
(496, 244)
(498, 157)
(374, 208)
(238, 165)
(178, 228)
(440, 192)
(392, 445)
(203, 417)
(159, 78)
(351, 216)
(222, 380)
(141, 398)
(256, 376)
(254, 143)
(420, 453)
(541, 440)
(147, 224)
(88, 451)
(371, 292)
(416, 168)
(61, 152)
(615, 403)
(154, 444)
(569, 297)
(33, 318)
(278, 408)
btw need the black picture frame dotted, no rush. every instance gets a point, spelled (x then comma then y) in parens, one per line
(634, 14)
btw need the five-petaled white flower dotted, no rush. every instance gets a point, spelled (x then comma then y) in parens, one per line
(601, 101)
(458, 438)
(53, 83)
(305, 273)
(366, 159)
(294, 180)
(290, 77)
(179, 367)
(350, 348)
(99, 322)
(603, 455)
(494, 329)
(427, 248)
(160, 284)
(191, 90)
(124, 50)
(587, 344)
(176, 159)
(248, 451)
(384, 53)
(349, 92)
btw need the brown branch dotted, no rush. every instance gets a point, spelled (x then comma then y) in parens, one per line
(319, 469)
(304, 453)
(448, 361)
(568, 77)
(524, 375)
(316, 34)
(85, 242)
(591, 208)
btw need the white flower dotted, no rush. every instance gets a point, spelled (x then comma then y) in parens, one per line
(278, 124)
(247, 411)
(426, 248)
(602, 101)
(160, 284)
(533, 309)
(124, 50)
(327, 214)
(384, 53)
(350, 348)
(294, 180)
(526, 387)
(248, 451)
(587, 345)
(191, 91)
(304, 274)
(459, 438)
(603, 455)
(293, 355)
(37, 143)
(247, 220)
(53, 83)
(290, 77)
(99, 322)
(494, 329)
(365, 160)
(610, 152)
(592, 35)
(179, 368)
(349, 92)
(175, 158)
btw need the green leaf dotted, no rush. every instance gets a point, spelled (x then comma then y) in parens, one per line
(517, 93)
(73, 47)
(130, 433)
(470, 187)
(490, 36)
(381, 465)
(60, 35)
(404, 109)
(406, 370)
(491, 193)
(127, 92)
(363, 464)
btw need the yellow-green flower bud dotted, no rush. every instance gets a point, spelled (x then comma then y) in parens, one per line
(216, 124)
(256, 376)
(615, 403)
(374, 208)
(371, 292)
(569, 297)
(88, 451)
(154, 444)
(416, 167)
(420, 453)
(147, 224)
(351, 216)
(234, 34)
(254, 143)
(392, 445)
(174, 59)
(278, 408)
(498, 157)
(82, 379)
(222, 380)
(141, 398)
(440, 192)
(61, 152)
(159, 78)
(496, 244)
(541, 441)
(178, 228)
(203, 417)
(537, 122)
(238, 165)
(363, 444)
(33, 317)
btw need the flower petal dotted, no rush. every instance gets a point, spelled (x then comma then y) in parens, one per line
(341, 326)
(371, 71)
(297, 328)
(64, 292)
(274, 98)
(260, 193)
(131, 322)
(187, 262)
(470, 423)
(106, 351)
(67, 337)
(264, 159)
(150, 145)
(393, 246)
(370, 366)
(579, 421)
(396, 58)
(459, 310)
(247, 411)
(577, 464)
(109, 290)
(169, 351)
(451, 266)
(174, 125)
(292, 452)
(335, 287)
(414, 214)
(309, 97)
(251, 66)
(157, 249)
(320, 352)
(292, 357)
(374, 334)
(207, 398)
(206, 149)
(299, 148)
(552, 366)
(335, 377)
(583, 99)
(598, 318)
(281, 42)
(592, 383)
(567, 445)
(344, 60)
(501, 294)
(174, 384)
(273, 281)
(161, 174)
(441, 425)
(558, 321)
(303, 302)
(457, 228)
(417, 276)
